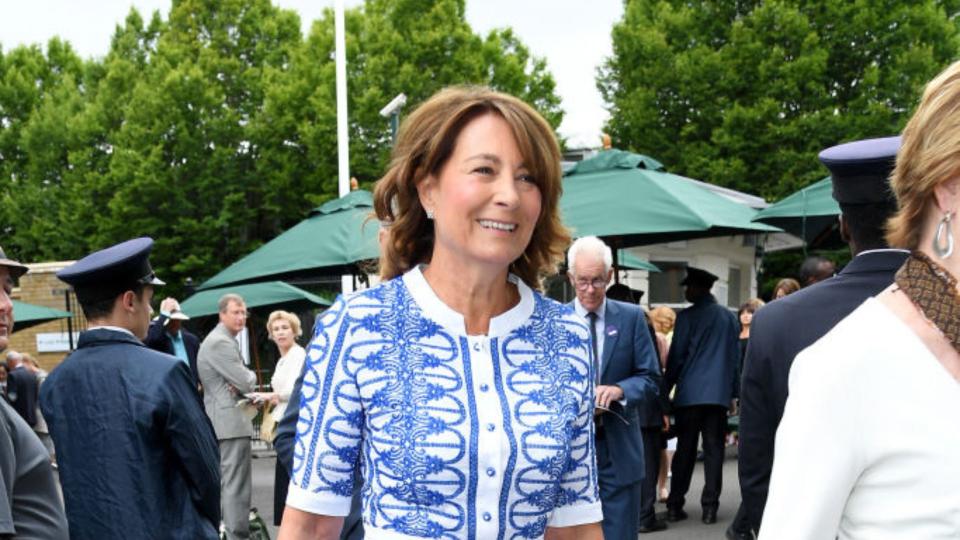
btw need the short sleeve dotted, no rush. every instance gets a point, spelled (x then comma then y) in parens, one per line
(328, 437)
(580, 503)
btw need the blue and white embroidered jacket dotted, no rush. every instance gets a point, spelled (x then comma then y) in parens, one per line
(457, 436)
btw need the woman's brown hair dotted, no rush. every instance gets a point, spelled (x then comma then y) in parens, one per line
(929, 155)
(425, 143)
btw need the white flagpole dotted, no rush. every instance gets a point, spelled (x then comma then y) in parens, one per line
(343, 137)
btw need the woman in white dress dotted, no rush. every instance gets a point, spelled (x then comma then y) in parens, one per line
(283, 328)
(867, 448)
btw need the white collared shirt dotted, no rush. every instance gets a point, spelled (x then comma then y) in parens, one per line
(601, 326)
(113, 328)
(458, 436)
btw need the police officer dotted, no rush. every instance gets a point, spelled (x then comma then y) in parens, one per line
(137, 455)
(702, 364)
(780, 330)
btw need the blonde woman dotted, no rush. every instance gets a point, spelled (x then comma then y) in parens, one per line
(283, 328)
(867, 447)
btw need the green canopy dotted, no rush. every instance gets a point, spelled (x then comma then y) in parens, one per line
(331, 240)
(26, 315)
(616, 159)
(615, 195)
(631, 261)
(275, 294)
(810, 213)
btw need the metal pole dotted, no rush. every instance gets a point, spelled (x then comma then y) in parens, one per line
(343, 140)
(66, 294)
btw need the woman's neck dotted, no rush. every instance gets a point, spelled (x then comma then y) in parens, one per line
(476, 293)
(745, 332)
(285, 350)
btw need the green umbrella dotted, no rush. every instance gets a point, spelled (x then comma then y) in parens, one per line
(615, 195)
(275, 294)
(26, 315)
(628, 260)
(810, 213)
(331, 241)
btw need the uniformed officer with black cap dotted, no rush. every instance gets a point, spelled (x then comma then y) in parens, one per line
(859, 171)
(702, 364)
(138, 457)
(29, 501)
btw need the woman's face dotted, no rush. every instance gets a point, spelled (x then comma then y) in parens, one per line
(746, 317)
(282, 333)
(485, 202)
(779, 293)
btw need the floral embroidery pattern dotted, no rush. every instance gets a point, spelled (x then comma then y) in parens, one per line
(391, 391)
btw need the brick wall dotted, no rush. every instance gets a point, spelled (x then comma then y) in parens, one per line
(38, 287)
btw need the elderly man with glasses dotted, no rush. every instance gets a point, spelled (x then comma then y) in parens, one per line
(627, 378)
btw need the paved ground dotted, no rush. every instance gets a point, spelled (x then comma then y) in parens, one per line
(691, 529)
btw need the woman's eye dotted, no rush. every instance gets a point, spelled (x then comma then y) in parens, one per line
(484, 170)
(527, 178)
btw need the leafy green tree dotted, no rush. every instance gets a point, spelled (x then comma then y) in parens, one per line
(412, 46)
(746, 93)
(215, 130)
(40, 96)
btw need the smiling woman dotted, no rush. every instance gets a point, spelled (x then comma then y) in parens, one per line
(452, 383)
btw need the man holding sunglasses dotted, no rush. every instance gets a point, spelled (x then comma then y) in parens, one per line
(627, 377)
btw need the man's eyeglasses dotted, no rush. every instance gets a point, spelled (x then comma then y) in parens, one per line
(597, 283)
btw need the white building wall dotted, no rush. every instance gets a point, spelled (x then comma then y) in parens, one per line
(715, 255)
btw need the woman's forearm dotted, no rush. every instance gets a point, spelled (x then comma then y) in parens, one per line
(298, 525)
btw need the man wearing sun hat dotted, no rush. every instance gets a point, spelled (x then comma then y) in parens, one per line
(167, 335)
(29, 502)
(138, 457)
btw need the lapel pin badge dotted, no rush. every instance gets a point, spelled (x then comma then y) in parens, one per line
(611, 330)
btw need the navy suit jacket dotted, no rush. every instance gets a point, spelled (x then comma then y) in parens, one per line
(137, 453)
(704, 355)
(158, 340)
(629, 361)
(779, 331)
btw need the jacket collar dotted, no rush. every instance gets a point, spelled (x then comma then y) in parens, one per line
(99, 336)
(877, 260)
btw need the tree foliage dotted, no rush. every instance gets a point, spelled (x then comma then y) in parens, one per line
(215, 130)
(746, 93)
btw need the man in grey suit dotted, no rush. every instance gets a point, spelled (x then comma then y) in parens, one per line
(224, 381)
(627, 378)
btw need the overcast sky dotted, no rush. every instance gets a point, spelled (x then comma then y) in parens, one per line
(573, 35)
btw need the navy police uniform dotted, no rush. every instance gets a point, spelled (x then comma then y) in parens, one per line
(783, 328)
(702, 364)
(138, 457)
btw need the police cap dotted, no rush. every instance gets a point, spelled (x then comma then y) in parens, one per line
(697, 276)
(109, 272)
(861, 169)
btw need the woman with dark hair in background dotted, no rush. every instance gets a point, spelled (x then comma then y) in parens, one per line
(784, 287)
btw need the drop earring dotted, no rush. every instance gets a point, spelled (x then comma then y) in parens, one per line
(430, 214)
(943, 247)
